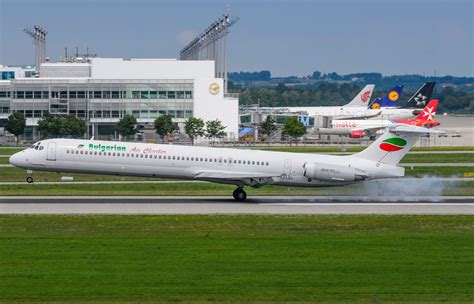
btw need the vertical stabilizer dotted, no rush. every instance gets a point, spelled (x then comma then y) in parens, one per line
(362, 99)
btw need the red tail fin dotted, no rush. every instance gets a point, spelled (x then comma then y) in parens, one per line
(429, 112)
(425, 118)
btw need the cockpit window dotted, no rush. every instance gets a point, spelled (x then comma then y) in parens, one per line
(37, 146)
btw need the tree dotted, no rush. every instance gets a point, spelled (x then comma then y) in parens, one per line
(127, 126)
(316, 75)
(268, 126)
(294, 129)
(215, 129)
(194, 127)
(164, 126)
(16, 124)
(73, 126)
(51, 126)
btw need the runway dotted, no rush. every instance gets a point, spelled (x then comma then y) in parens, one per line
(226, 205)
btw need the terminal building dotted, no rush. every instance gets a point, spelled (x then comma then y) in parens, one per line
(102, 90)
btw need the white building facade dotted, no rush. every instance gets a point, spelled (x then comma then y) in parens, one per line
(103, 90)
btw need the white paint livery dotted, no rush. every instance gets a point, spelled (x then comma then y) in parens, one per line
(221, 165)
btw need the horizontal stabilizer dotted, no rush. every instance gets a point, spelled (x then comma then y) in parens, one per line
(402, 128)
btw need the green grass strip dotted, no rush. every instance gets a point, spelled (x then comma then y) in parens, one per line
(221, 259)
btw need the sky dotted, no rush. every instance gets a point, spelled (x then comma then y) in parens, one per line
(292, 37)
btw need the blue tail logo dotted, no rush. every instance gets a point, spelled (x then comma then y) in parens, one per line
(390, 100)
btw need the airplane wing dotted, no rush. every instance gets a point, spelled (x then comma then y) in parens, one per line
(248, 178)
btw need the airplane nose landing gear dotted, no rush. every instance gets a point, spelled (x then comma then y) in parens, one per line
(239, 194)
(29, 179)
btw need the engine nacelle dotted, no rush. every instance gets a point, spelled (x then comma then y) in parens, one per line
(333, 173)
(357, 134)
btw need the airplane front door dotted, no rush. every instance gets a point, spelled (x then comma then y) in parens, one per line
(287, 167)
(51, 151)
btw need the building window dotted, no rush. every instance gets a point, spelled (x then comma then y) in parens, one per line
(64, 94)
(188, 113)
(171, 94)
(45, 94)
(97, 95)
(72, 94)
(153, 94)
(189, 95)
(81, 94)
(20, 95)
(28, 95)
(180, 95)
(162, 95)
(106, 95)
(136, 94)
(179, 114)
(37, 94)
(115, 94)
(145, 95)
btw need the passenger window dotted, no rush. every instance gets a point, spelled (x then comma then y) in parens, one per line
(239, 161)
(141, 155)
(67, 151)
(82, 152)
(110, 154)
(159, 156)
(258, 163)
(268, 163)
(187, 158)
(156, 156)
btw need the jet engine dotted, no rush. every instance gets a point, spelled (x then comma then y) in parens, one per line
(357, 134)
(333, 173)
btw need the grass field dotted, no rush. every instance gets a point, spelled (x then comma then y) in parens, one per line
(208, 189)
(304, 259)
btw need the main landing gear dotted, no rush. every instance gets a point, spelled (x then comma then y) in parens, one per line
(29, 179)
(239, 194)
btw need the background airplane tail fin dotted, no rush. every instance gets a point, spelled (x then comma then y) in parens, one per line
(390, 100)
(429, 112)
(394, 144)
(362, 99)
(422, 96)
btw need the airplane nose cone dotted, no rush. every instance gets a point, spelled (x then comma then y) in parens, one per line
(16, 159)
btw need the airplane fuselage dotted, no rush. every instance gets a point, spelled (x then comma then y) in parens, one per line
(231, 166)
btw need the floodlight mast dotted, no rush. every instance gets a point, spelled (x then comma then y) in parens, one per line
(38, 34)
(211, 44)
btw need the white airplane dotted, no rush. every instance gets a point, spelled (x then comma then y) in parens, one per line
(357, 128)
(221, 165)
(356, 109)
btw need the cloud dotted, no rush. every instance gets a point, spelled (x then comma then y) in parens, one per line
(186, 36)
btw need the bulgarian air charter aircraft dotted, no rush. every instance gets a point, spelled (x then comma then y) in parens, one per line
(229, 166)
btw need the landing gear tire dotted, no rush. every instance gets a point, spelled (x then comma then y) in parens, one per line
(239, 194)
(29, 180)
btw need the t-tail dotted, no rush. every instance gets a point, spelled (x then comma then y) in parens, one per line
(363, 98)
(421, 97)
(390, 100)
(394, 144)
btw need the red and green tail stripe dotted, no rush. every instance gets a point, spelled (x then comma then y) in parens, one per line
(393, 144)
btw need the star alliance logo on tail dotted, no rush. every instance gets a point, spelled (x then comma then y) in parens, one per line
(420, 100)
(393, 144)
